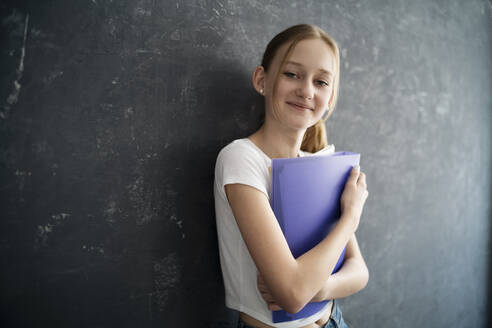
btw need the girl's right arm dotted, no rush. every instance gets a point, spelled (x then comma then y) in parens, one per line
(293, 282)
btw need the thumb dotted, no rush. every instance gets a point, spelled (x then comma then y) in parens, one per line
(354, 174)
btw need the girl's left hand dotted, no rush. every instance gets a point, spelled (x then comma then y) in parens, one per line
(267, 296)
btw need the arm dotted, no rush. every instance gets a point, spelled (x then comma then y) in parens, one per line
(350, 279)
(293, 282)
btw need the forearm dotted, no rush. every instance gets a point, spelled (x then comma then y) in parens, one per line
(311, 275)
(350, 279)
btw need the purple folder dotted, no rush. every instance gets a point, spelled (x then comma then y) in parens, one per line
(306, 195)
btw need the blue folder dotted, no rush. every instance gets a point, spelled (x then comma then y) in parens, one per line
(306, 195)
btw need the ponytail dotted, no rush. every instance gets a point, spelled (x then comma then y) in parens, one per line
(315, 138)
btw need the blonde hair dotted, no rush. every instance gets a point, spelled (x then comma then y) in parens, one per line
(315, 136)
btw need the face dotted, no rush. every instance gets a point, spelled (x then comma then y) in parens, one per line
(305, 84)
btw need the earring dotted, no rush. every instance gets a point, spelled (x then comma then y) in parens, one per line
(261, 91)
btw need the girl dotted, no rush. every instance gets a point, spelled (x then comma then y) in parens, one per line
(299, 78)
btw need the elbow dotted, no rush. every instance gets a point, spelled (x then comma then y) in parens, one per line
(293, 306)
(296, 301)
(290, 303)
(289, 298)
(294, 310)
(288, 293)
(365, 277)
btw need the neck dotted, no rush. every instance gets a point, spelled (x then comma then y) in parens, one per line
(277, 141)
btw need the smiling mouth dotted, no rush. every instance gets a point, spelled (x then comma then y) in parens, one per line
(298, 106)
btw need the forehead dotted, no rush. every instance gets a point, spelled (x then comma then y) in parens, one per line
(313, 54)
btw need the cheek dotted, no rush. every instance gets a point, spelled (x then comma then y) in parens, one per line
(282, 91)
(284, 87)
(324, 98)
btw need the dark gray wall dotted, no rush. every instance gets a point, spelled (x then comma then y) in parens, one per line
(112, 114)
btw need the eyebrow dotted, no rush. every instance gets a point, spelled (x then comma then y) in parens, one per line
(299, 64)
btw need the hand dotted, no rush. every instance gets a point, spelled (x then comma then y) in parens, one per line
(267, 296)
(354, 196)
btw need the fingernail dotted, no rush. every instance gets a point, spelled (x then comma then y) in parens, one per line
(357, 167)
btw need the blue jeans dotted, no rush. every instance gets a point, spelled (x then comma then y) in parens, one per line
(336, 319)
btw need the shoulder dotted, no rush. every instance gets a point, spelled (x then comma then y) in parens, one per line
(239, 162)
(234, 146)
(239, 150)
(240, 155)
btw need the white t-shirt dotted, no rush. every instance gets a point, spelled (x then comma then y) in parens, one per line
(241, 161)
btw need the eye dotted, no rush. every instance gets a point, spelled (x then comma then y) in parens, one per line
(322, 83)
(290, 74)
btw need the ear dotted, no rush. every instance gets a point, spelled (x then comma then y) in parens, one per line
(259, 79)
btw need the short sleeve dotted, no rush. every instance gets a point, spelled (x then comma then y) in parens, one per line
(239, 164)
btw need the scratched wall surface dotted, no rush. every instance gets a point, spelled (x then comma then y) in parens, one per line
(112, 114)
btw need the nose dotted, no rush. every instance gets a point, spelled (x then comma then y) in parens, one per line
(305, 90)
